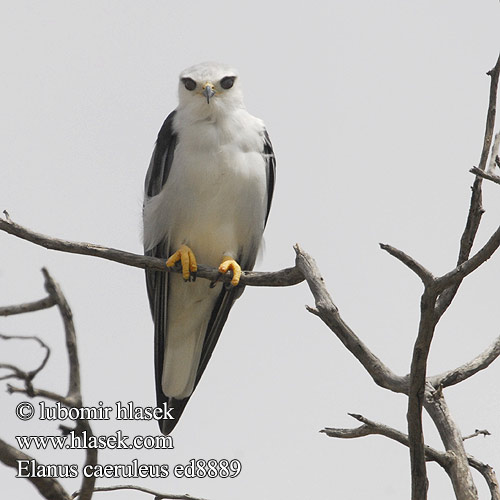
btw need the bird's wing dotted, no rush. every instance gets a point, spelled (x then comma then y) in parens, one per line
(157, 282)
(270, 170)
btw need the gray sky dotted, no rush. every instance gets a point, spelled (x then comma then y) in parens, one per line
(376, 111)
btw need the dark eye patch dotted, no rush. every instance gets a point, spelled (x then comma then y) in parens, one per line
(189, 83)
(227, 82)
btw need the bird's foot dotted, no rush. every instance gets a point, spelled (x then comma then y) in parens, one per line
(228, 263)
(188, 262)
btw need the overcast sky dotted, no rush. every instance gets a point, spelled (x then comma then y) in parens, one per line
(376, 111)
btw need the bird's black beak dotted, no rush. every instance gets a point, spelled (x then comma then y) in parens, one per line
(208, 91)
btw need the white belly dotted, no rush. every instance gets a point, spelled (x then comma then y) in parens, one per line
(216, 203)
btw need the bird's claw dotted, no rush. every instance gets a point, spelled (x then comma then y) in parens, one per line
(188, 262)
(228, 263)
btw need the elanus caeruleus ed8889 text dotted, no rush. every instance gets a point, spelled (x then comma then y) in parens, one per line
(208, 193)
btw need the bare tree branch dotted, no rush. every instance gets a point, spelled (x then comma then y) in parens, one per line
(37, 305)
(41, 393)
(475, 210)
(157, 495)
(489, 476)
(48, 487)
(427, 325)
(285, 277)
(54, 290)
(74, 396)
(425, 275)
(329, 314)
(494, 73)
(21, 374)
(459, 470)
(485, 175)
(370, 427)
(444, 459)
(467, 267)
(465, 371)
(74, 388)
(478, 432)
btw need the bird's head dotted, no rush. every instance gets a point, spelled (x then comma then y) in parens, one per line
(210, 88)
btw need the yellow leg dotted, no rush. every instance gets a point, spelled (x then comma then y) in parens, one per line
(227, 264)
(188, 261)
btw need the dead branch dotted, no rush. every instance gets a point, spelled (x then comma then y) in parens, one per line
(459, 471)
(285, 277)
(329, 314)
(475, 209)
(462, 270)
(426, 328)
(326, 309)
(37, 305)
(48, 487)
(465, 371)
(431, 310)
(444, 459)
(489, 476)
(74, 396)
(485, 175)
(478, 432)
(425, 275)
(21, 374)
(370, 427)
(54, 291)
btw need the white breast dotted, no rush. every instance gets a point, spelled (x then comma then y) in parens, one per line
(215, 199)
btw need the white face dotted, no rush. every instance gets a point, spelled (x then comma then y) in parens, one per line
(208, 88)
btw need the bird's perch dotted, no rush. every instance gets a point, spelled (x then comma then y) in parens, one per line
(285, 277)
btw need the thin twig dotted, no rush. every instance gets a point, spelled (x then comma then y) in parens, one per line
(485, 175)
(468, 369)
(494, 73)
(54, 290)
(478, 432)
(462, 270)
(37, 305)
(285, 277)
(425, 275)
(34, 392)
(21, 374)
(442, 458)
(370, 427)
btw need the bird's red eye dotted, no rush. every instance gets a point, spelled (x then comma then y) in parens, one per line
(227, 82)
(189, 83)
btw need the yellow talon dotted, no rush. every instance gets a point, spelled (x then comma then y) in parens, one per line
(229, 263)
(188, 261)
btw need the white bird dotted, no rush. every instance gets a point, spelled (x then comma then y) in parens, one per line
(208, 192)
